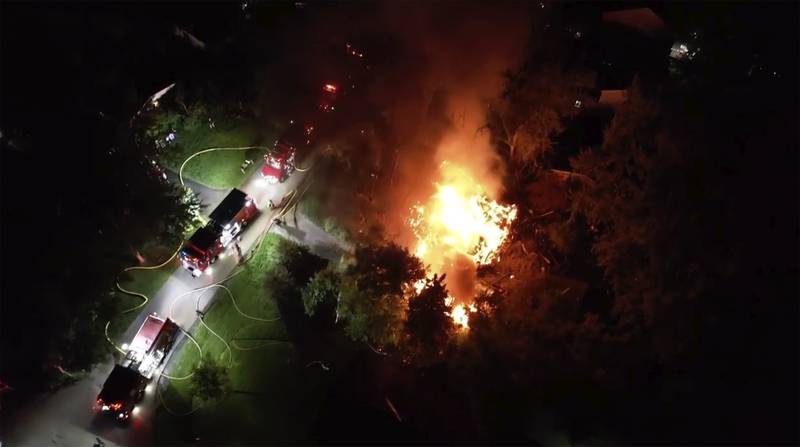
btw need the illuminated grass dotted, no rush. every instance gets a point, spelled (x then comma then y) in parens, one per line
(214, 169)
(268, 384)
(148, 282)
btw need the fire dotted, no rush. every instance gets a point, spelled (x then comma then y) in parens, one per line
(459, 220)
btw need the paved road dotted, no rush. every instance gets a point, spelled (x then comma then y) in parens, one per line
(209, 197)
(66, 419)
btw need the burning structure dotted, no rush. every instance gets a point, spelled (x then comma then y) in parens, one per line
(459, 228)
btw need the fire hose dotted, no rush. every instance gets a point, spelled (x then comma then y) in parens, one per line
(204, 151)
(284, 210)
(144, 297)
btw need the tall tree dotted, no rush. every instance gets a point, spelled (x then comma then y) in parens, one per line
(428, 326)
(531, 110)
(68, 234)
(210, 381)
(322, 289)
(374, 291)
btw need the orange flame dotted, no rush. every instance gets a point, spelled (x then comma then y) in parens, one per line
(459, 219)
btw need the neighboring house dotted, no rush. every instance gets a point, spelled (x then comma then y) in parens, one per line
(641, 19)
(612, 98)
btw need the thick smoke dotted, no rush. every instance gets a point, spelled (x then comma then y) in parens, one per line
(435, 68)
(449, 65)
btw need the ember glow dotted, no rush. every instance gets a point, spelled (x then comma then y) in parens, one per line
(459, 220)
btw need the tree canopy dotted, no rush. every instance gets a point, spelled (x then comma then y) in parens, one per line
(428, 326)
(374, 290)
(80, 198)
(210, 381)
(323, 288)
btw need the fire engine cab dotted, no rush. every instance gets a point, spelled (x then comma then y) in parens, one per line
(126, 384)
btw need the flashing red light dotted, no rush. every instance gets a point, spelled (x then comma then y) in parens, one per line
(329, 88)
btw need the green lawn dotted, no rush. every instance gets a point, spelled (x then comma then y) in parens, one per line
(274, 398)
(147, 282)
(218, 169)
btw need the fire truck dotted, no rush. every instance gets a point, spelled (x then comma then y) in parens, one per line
(126, 384)
(279, 162)
(225, 224)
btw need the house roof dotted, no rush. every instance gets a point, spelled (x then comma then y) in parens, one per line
(612, 98)
(641, 19)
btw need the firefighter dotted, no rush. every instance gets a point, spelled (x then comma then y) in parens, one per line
(271, 204)
(239, 252)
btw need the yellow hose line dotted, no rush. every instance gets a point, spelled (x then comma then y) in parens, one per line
(144, 297)
(263, 345)
(244, 148)
(119, 349)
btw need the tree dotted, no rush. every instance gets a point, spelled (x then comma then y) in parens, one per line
(374, 290)
(292, 267)
(530, 112)
(650, 186)
(687, 216)
(322, 289)
(210, 381)
(428, 327)
(299, 262)
(81, 226)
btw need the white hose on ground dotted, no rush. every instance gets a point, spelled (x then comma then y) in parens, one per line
(166, 407)
(227, 346)
(200, 289)
(191, 373)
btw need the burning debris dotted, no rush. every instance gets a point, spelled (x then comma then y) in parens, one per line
(458, 221)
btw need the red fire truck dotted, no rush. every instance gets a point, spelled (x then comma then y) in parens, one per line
(126, 384)
(226, 222)
(279, 162)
